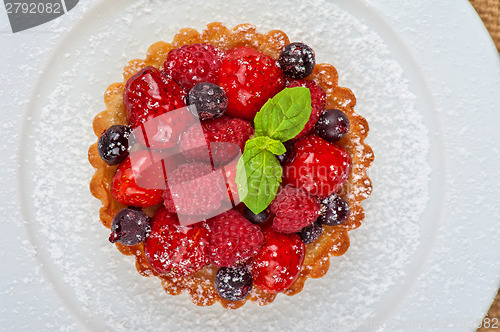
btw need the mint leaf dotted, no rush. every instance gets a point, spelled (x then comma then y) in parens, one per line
(258, 173)
(284, 116)
(269, 144)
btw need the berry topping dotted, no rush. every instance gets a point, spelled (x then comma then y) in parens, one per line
(218, 133)
(278, 262)
(210, 100)
(148, 94)
(319, 167)
(233, 239)
(332, 125)
(294, 209)
(288, 155)
(318, 100)
(129, 227)
(249, 78)
(311, 233)
(258, 218)
(193, 64)
(175, 250)
(334, 211)
(141, 167)
(297, 60)
(233, 283)
(194, 189)
(113, 145)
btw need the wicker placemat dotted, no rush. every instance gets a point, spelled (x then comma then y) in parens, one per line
(489, 11)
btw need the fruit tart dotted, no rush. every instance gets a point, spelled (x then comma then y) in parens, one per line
(230, 164)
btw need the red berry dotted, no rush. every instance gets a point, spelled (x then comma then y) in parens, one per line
(139, 180)
(195, 189)
(278, 262)
(233, 239)
(148, 94)
(294, 209)
(175, 250)
(219, 132)
(249, 78)
(318, 167)
(318, 101)
(193, 64)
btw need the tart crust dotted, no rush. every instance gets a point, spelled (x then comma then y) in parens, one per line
(335, 239)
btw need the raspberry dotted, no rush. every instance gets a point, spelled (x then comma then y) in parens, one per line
(192, 64)
(294, 209)
(233, 239)
(175, 250)
(194, 189)
(318, 101)
(249, 78)
(221, 130)
(318, 167)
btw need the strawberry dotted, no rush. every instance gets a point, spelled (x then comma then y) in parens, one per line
(249, 78)
(233, 239)
(278, 262)
(318, 167)
(175, 250)
(146, 96)
(318, 101)
(139, 180)
(193, 64)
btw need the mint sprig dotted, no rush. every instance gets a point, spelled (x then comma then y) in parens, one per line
(258, 173)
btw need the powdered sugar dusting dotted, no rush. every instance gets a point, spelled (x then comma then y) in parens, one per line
(103, 284)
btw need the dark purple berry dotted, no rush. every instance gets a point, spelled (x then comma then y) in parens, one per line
(334, 211)
(233, 283)
(209, 99)
(311, 233)
(297, 60)
(114, 144)
(130, 226)
(257, 219)
(288, 156)
(332, 125)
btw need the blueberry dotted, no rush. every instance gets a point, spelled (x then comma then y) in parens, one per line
(257, 219)
(334, 211)
(210, 100)
(288, 156)
(130, 226)
(311, 233)
(114, 144)
(332, 125)
(297, 60)
(233, 283)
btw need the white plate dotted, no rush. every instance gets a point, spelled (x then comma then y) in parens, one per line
(427, 79)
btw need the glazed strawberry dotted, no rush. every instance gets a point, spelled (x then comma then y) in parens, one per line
(195, 189)
(193, 64)
(148, 94)
(233, 239)
(249, 78)
(278, 262)
(220, 131)
(175, 250)
(318, 167)
(294, 209)
(139, 180)
(318, 100)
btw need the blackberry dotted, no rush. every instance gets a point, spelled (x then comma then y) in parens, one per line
(311, 233)
(209, 99)
(114, 144)
(332, 125)
(334, 211)
(297, 60)
(233, 283)
(130, 226)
